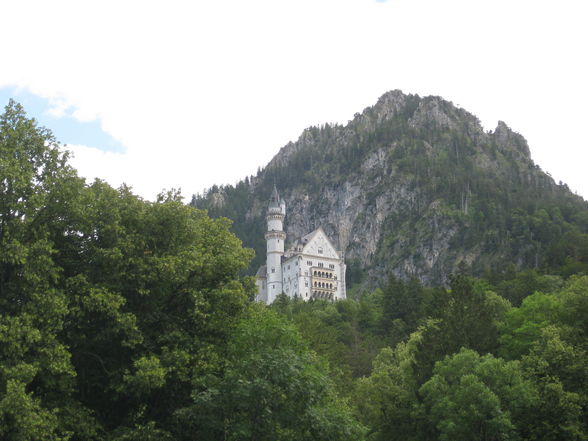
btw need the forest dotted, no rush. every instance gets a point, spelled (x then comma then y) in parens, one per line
(124, 319)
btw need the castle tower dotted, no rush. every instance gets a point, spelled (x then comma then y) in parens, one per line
(275, 238)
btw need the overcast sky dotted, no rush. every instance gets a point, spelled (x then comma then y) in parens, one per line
(194, 93)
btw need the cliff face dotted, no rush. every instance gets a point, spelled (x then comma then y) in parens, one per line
(411, 186)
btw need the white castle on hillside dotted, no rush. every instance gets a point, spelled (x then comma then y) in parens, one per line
(311, 268)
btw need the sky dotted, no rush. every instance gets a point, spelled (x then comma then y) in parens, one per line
(187, 94)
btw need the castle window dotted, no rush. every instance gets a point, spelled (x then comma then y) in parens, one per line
(320, 264)
(309, 262)
(331, 266)
(288, 266)
(273, 270)
(320, 250)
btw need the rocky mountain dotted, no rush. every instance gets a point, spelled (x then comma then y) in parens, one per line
(412, 186)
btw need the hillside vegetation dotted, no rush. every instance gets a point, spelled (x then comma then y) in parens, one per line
(414, 187)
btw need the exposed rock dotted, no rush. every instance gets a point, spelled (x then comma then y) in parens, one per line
(217, 199)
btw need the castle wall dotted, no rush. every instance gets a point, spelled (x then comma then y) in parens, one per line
(290, 272)
(261, 289)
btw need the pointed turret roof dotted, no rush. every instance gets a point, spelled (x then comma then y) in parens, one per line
(275, 199)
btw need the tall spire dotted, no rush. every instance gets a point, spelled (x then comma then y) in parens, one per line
(275, 199)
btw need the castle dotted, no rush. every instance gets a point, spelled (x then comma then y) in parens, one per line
(311, 268)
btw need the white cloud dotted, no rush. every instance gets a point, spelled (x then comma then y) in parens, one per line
(58, 107)
(206, 92)
(92, 163)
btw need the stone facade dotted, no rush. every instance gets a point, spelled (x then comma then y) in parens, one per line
(311, 268)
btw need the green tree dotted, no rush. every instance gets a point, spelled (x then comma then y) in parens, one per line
(468, 315)
(271, 388)
(112, 308)
(387, 401)
(477, 398)
(560, 372)
(522, 326)
(156, 298)
(36, 374)
(526, 283)
(564, 308)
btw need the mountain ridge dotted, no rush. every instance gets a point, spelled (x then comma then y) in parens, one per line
(410, 186)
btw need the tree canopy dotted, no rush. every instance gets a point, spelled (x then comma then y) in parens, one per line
(117, 315)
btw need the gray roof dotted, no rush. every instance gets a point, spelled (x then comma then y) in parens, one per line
(302, 241)
(262, 271)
